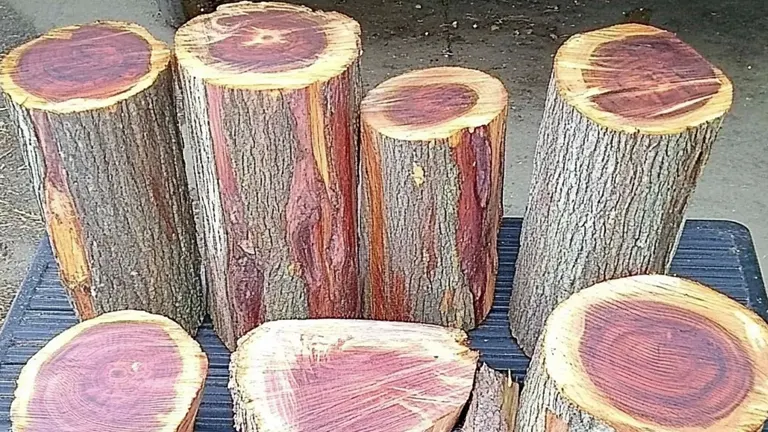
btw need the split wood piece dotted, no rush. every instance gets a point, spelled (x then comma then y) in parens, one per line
(630, 119)
(432, 171)
(126, 370)
(94, 110)
(648, 353)
(493, 405)
(271, 94)
(329, 375)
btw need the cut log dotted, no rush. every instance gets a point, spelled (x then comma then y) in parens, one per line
(648, 353)
(331, 375)
(432, 170)
(126, 370)
(94, 110)
(630, 119)
(271, 94)
(493, 406)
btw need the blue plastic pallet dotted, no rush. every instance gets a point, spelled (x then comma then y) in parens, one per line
(716, 253)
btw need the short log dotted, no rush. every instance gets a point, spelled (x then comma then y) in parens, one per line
(630, 119)
(493, 406)
(648, 353)
(94, 110)
(432, 170)
(126, 370)
(329, 375)
(270, 107)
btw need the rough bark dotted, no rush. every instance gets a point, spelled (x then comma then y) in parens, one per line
(81, 380)
(655, 353)
(609, 191)
(350, 375)
(493, 406)
(108, 170)
(431, 206)
(276, 171)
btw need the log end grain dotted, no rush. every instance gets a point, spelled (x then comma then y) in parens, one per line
(83, 67)
(267, 46)
(121, 369)
(327, 375)
(659, 353)
(638, 78)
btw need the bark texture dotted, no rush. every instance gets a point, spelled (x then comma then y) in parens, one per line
(113, 192)
(493, 406)
(277, 179)
(603, 204)
(82, 381)
(430, 218)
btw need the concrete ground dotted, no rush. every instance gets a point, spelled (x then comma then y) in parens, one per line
(512, 39)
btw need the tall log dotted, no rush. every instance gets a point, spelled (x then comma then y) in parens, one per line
(270, 95)
(628, 126)
(126, 370)
(94, 110)
(648, 353)
(331, 375)
(432, 171)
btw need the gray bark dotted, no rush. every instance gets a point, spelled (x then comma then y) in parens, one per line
(494, 403)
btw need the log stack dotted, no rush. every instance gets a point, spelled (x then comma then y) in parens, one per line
(630, 119)
(648, 353)
(270, 107)
(432, 170)
(94, 110)
(328, 375)
(126, 370)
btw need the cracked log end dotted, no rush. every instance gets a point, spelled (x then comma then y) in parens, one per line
(126, 369)
(433, 103)
(634, 77)
(328, 375)
(83, 67)
(267, 45)
(660, 353)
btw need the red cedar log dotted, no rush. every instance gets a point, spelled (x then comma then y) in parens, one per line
(648, 353)
(270, 95)
(94, 110)
(126, 370)
(630, 119)
(493, 406)
(432, 174)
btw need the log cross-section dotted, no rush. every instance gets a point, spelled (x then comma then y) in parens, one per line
(432, 168)
(629, 122)
(120, 371)
(648, 353)
(94, 110)
(270, 97)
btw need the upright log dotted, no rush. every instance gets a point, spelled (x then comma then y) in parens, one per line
(433, 163)
(329, 375)
(648, 353)
(493, 406)
(270, 95)
(126, 370)
(628, 125)
(93, 105)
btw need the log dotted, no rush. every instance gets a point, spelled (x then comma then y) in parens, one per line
(94, 110)
(649, 353)
(125, 370)
(328, 375)
(629, 122)
(270, 107)
(432, 173)
(493, 406)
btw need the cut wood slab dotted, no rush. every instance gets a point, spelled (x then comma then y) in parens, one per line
(648, 353)
(630, 119)
(332, 375)
(94, 111)
(271, 94)
(122, 371)
(432, 173)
